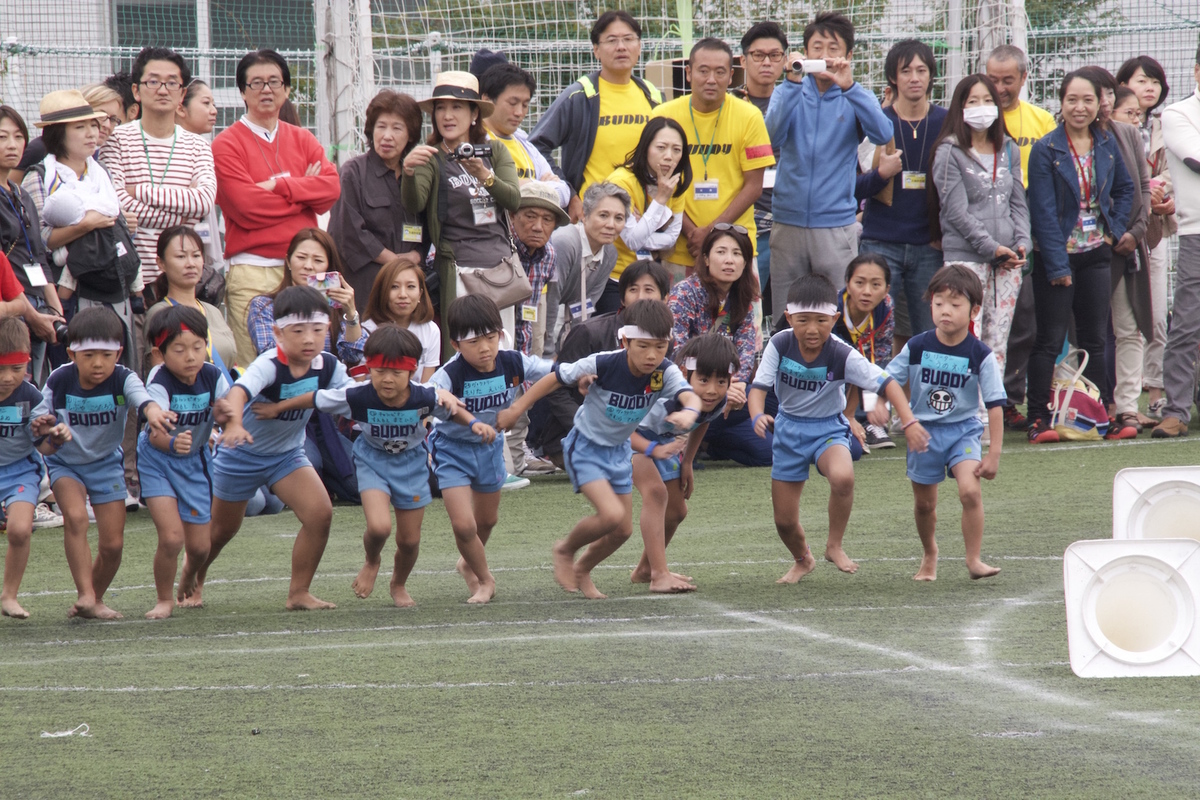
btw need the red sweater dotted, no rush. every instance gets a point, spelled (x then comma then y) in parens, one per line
(262, 222)
(10, 287)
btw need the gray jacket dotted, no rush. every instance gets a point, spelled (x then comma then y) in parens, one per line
(977, 214)
(564, 288)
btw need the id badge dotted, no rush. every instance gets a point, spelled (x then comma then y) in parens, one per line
(121, 249)
(769, 178)
(485, 214)
(37, 278)
(707, 190)
(1087, 222)
(529, 312)
(912, 180)
(204, 232)
(412, 233)
(577, 308)
(645, 255)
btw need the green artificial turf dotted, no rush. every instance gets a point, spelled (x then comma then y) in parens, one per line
(869, 685)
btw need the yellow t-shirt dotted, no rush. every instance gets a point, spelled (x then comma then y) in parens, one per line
(1026, 124)
(520, 157)
(624, 111)
(640, 198)
(736, 141)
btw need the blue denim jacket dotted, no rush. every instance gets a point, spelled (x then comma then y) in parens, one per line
(1054, 194)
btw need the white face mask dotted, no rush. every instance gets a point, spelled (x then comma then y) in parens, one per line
(980, 117)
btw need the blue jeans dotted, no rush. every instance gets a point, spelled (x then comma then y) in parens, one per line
(912, 266)
(762, 250)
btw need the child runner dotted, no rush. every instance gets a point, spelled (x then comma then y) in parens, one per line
(91, 395)
(948, 369)
(468, 456)
(808, 369)
(662, 477)
(254, 452)
(174, 469)
(866, 322)
(20, 470)
(390, 456)
(596, 452)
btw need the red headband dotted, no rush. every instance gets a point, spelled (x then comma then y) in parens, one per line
(406, 363)
(161, 339)
(15, 357)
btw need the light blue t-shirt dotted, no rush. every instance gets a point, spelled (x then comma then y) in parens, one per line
(618, 401)
(269, 380)
(192, 404)
(485, 394)
(16, 416)
(656, 428)
(815, 389)
(387, 428)
(95, 416)
(947, 382)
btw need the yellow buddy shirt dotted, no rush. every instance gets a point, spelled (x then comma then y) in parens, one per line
(734, 139)
(640, 198)
(1026, 124)
(524, 164)
(624, 111)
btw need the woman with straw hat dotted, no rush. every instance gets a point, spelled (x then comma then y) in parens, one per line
(464, 199)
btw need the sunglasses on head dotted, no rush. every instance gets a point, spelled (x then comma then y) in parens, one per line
(725, 226)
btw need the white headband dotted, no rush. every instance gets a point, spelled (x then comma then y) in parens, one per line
(302, 319)
(829, 309)
(634, 332)
(473, 335)
(690, 365)
(96, 344)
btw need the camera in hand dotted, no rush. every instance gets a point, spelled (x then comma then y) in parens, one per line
(809, 66)
(467, 150)
(60, 331)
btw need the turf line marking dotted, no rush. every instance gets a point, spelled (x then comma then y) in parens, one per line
(1054, 448)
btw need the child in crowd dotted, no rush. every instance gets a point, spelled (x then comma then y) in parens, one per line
(866, 322)
(468, 456)
(390, 456)
(174, 469)
(596, 452)
(254, 452)
(808, 369)
(20, 470)
(91, 395)
(948, 369)
(664, 478)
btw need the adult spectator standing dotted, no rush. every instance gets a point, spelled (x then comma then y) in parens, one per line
(1008, 69)
(899, 229)
(597, 119)
(369, 222)
(1181, 135)
(764, 51)
(510, 89)
(730, 151)
(816, 120)
(272, 180)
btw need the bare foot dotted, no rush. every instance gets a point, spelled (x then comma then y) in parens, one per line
(305, 601)
(564, 566)
(584, 581)
(838, 557)
(981, 570)
(94, 611)
(11, 608)
(193, 600)
(162, 609)
(484, 594)
(638, 576)
(364, 584)
(928, 570)
(401, 598)
(467, 575)
(672, 584)
(800, 568)
(188, 593)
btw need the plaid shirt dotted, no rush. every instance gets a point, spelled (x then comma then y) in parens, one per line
(260, 322)
(539, 266)
(689, 305)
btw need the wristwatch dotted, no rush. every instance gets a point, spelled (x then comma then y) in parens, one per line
(489, 181)
(352, 320)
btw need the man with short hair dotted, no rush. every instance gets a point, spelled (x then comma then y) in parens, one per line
(730, 152)
(122, 83)
(818, 120)
(1008, 69)
(273, 179)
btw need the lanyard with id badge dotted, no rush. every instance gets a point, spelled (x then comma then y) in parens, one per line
(915, 178)
(1087, 220)
(33, 270)
(706, 189)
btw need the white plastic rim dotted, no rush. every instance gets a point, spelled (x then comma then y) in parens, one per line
(1138, 609)
(1157, 503)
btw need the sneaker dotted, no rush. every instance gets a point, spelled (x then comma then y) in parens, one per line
(895, 427)
(1155, 409)
(1123, 427)
(512, 482)
(1014, 420)
(1040, 432)
(44, 517)
(131, 502)
(1169, 428)
(877, 438)
(537, 466)
(91, 512)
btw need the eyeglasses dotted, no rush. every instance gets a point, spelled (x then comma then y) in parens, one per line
(613, 41)
(258, 84)
(725, 226)
(758, 56)
(110, 120)
(153, 85)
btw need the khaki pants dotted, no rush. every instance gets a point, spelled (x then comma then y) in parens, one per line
(1130, 350)
(243, 283)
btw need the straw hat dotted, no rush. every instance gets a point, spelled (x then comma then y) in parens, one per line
(457, 86)
(65, 105)
(538, 194)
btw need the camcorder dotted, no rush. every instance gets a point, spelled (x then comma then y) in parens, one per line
(467, 150)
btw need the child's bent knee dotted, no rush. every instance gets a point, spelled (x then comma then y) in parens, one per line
(19, 537)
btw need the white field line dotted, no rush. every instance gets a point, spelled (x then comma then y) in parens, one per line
(1010, 451)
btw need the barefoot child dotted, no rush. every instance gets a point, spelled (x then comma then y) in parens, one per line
(468, 456)
(390, 456)
(596, 452)
(20, 469)
(91, 395)
(254, 452)
(662, 476)
(808, 369)
(174, 469)
(948, 369)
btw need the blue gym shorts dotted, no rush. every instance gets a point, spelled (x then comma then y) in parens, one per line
(458, 462)
(185, 478)
(949, 444)
(799, 442)
(403, 476)
(20, 480)
(237, 473)
(587, 461)
(102, 479)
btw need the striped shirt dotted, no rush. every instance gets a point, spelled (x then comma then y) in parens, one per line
(154, 179)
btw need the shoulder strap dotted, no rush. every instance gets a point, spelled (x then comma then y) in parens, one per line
(588, 82)
(649, 89)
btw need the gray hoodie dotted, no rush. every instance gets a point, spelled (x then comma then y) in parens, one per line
(979, 214)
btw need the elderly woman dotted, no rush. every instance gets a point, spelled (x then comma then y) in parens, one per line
(369, 222)
(465, 200)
